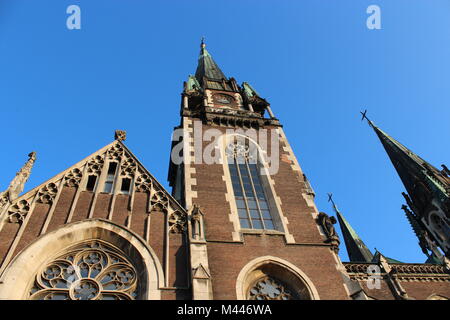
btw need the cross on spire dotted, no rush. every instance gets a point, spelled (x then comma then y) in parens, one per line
(364, 116)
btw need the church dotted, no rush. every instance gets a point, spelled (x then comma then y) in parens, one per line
(240, 222)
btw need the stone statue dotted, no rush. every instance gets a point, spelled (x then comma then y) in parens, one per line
(327, 224)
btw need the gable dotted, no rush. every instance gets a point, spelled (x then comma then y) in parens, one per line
(76, 179)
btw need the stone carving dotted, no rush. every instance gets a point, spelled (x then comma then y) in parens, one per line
(177, 222)
(4, 200)
(159, 202)
(18, 212)
(128, 167)
(73, 178)
(143, 183)
(120, 135)
(18, 183)
(95, 165)
(196, 222)
(115, 152)
(327, 224)
(47, 194)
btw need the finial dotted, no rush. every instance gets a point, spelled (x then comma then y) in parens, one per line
(120, 135)
(202, 43)
(18, 183)
(32, 155)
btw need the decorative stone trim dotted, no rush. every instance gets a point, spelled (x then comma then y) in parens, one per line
(48, 193)
(73, 178)
(18, 212)
(177, 222)
(403, 272)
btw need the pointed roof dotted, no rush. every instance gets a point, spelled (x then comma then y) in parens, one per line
(356, 248)
(207, 67)
(412, 169)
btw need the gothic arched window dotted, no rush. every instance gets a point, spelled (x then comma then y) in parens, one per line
(249, 191)
(92, 270)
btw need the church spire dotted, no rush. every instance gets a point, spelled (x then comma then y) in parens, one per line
(356, 249)
(428, 188)
(207, 67)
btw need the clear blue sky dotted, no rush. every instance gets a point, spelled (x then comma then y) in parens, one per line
(63, 93)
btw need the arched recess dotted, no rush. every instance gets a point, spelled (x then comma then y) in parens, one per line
(258, 155)
(21, 272)
(279, 269)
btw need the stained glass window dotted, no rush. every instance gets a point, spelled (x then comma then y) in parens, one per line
(249, 193)
(89, 271)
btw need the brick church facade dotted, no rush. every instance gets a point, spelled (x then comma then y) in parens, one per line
(240, 222)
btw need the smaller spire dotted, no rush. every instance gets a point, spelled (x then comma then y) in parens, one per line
(207, 67)
(356, 249)
(18, 183)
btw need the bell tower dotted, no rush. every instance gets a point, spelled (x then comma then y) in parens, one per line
(254, 229)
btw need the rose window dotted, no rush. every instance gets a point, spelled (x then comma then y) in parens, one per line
(89, 271)
(269, 288)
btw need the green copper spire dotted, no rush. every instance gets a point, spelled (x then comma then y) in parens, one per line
(428, 190)
(356, 249)
(207, 67)
(417, 175)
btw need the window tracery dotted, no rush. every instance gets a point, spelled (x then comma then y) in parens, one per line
(268, 288)
(89, 271)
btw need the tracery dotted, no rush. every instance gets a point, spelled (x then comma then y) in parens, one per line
(91, 270)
